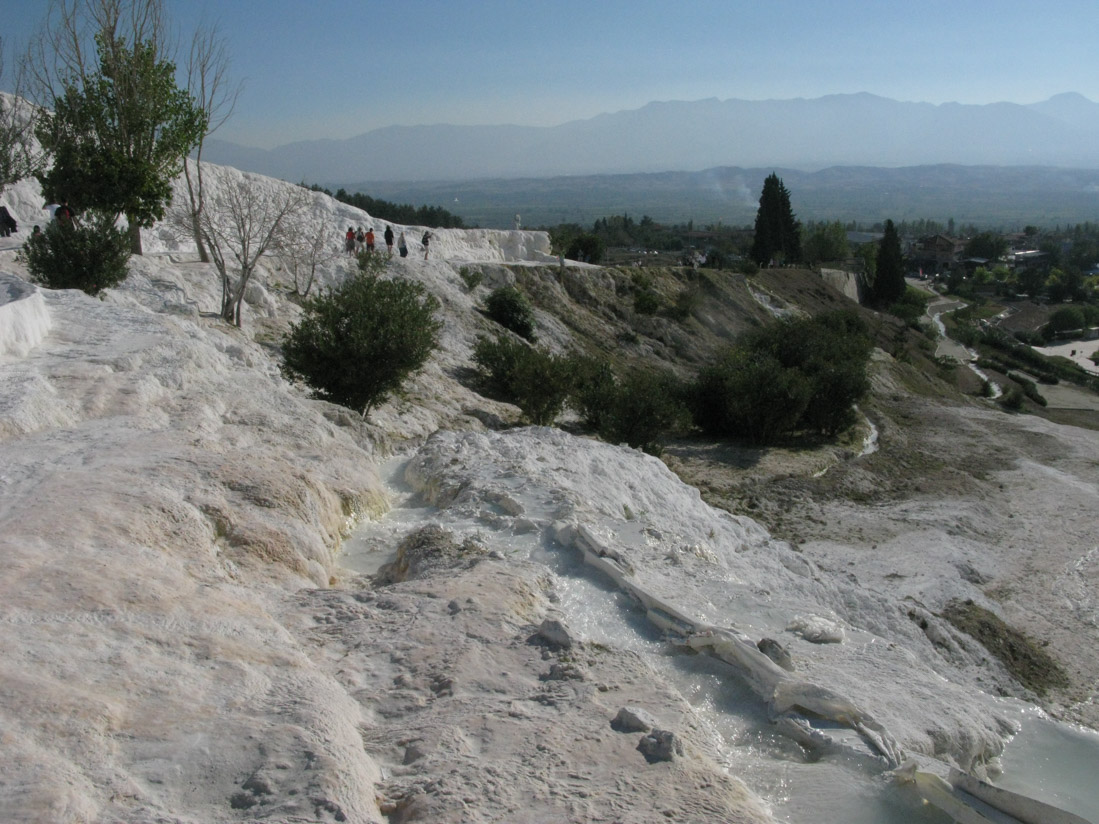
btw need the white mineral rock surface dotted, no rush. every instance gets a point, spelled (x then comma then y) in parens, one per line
(183, 638)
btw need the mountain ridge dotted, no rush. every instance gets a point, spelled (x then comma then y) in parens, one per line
(856, 129)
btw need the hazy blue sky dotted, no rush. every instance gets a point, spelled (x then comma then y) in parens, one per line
(336, 68)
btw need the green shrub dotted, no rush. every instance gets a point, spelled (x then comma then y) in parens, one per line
(593, 390)
(355, 345)
(89, 256)
(686, 302)
(510, 308)
(1067, 318)
(794, 375)
(646, 302)
(1012, 399)
(640, 410)
(908, 312)
(751, 396)
(371, 263)
(1030, 389)
(472, 279)
(498, 360)
(644, 408)
(534, 380)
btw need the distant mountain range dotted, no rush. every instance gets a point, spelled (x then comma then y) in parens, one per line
(806, 134)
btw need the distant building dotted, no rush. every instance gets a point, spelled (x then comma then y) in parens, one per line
(1025, 260)
(937, 253)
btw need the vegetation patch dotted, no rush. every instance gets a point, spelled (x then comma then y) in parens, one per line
(355, 345)
(471, 277)
(536, 381)
(1027, 662)
(510, 308)
(91, 256)
(795, 375)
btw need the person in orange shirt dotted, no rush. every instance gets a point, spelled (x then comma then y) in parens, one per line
(370, 239)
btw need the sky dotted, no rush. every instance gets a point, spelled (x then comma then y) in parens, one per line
(337, 68)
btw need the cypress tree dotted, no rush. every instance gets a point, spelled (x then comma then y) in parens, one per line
(777, 231)
(889, 273)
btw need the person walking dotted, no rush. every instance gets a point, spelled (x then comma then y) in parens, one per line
(370, 240)
(349, 241)
(425, 240)
(402, 247)
(388, 235)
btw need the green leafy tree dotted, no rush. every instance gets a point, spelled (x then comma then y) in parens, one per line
(986, 245)
(889, 269)
(749, 395)
(826, 242)
(586, 247)
(1066, 318)
(1032, 282)
(1065, 284)
(118, 135)
(777, 231)
(357, 344)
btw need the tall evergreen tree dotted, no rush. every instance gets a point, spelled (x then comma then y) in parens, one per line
(777, 232)
(889, 272)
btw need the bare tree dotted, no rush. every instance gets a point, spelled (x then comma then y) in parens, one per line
(63, 49)
(20, 156)
(239, 225)
(307, 246)
(208, 82)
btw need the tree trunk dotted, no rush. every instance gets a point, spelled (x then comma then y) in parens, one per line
(135, 237)
(203, 255)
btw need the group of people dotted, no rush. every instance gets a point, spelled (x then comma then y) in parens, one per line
(355, 241)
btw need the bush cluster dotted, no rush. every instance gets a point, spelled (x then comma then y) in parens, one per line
(795, 375)
(91, 256)
(640, 409)
(356, 344)
(510, 308)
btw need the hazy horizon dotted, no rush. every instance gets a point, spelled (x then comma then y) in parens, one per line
(343, 69)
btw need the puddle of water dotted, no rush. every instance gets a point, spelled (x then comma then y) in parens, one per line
(1055, 763)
